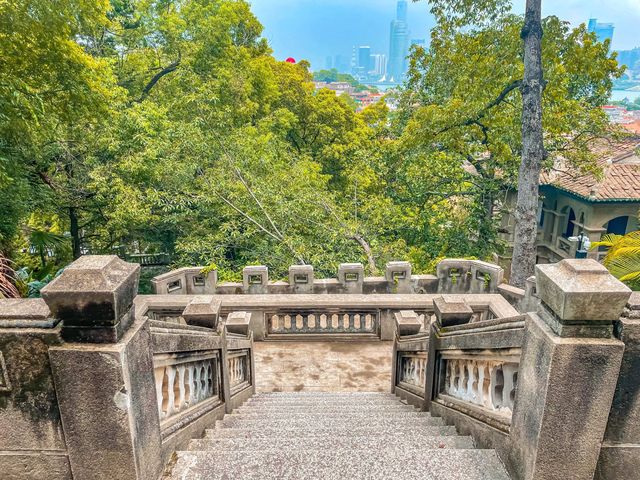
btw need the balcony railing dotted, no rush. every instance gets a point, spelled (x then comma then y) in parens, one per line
(323, 322)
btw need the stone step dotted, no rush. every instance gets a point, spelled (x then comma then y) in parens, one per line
(327, 401)
(321, 394)
(315, 421)
(435, 464)
(328, 410)
(354, 443)
(321, 414)
(331, 432)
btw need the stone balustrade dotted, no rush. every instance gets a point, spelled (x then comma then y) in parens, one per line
(92, 388)
(453, 276)
(412, 370)
(533, 385)
(239, 365)
(94, 368)
(184, 381)
(305, 316)
(318, 322)
(490, 384)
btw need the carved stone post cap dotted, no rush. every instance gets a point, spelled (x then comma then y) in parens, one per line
(95, 290)
(202, 311)
(301, 275)
(408, 322)
(397, 270)
(251, 269)
(238, 322)
(452, 310)
(351, 273)
(253, 275)
(581, 290)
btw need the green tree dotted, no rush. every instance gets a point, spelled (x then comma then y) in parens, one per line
(461, 114)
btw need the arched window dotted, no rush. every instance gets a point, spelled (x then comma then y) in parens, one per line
(571, 224)
(618, 225)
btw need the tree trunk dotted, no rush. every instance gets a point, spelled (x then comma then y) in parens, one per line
(524, 249)
(75, 233)
(373, 269)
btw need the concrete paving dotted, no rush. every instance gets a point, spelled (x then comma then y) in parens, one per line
(323, 366)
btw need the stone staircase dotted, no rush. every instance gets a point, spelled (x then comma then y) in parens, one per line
(333, 436)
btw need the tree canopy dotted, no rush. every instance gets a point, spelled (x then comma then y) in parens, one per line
(168, 126)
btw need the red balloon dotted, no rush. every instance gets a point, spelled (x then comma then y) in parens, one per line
(290, 60)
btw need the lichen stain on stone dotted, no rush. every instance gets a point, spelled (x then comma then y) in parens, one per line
(298, 388)
(121, 399)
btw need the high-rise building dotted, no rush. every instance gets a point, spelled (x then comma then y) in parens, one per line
(364, 59)
(378, 65)
(398, 45)
(604, 31)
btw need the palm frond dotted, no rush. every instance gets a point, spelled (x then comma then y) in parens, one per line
(8, 287)
(623, 257)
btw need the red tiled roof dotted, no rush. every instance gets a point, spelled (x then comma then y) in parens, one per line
(621, 174)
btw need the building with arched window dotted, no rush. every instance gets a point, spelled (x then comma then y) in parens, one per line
(572, 204)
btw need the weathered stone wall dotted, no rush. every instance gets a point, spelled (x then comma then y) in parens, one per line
(539, 388)
(32, 439)
(80, 394)
(620, 453)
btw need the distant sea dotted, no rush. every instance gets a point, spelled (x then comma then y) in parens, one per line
(622, 94)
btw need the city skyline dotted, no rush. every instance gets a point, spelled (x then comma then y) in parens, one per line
(314, 31)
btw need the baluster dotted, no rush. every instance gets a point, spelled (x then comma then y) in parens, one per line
(171, 375)
(180, 380)
(352, 322)
(188, 385)
(159, 377)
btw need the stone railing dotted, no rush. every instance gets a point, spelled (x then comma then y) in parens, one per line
(93, 388)
(323, 322)
(184, 381)
(453, 276)
(310, 316)
(412, 369)
(536, 384)
(238, 364)
(487, 381)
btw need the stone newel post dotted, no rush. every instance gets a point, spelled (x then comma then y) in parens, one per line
(104, 373)
(568, 371)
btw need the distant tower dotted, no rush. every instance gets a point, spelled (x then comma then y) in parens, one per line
(398, 45)
(603, 31)
(364, 60)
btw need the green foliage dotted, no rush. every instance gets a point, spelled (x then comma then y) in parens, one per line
(168, 127)
(623, 257)
(460, 121)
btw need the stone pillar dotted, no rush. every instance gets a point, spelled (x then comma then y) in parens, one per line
(104, 373)
(351, 276)
(203, 311)
(301, 278)
(452, 310)
(568, 372)
(255, 279)
(398, 276)
(237, 323)
(620, 453)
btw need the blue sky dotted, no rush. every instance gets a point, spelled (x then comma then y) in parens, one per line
(314, 29)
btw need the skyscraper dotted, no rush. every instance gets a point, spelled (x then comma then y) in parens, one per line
(604, 31)
(398, 44)
(364, 59)
(378, 65)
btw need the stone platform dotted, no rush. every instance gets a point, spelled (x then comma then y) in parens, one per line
(323, 366)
